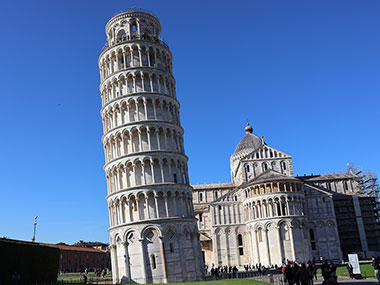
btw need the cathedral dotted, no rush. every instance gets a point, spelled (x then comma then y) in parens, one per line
(268, 216)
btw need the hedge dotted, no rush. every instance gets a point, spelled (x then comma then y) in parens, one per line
(34, 262)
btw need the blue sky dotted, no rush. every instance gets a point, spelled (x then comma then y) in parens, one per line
(304, 73)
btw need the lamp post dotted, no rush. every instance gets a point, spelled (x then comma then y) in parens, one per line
(35, 226)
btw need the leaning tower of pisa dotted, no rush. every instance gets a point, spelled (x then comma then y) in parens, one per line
(153, 232)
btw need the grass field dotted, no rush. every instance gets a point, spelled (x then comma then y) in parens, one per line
(79, 274)
(365, 269)
(80, 280)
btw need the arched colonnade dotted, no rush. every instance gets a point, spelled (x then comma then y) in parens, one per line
(230, 246)
(137, 82)
(272, 187)
(135, 55)
(263, 153)
(139, 109)
(134, 140)
(161, 248)
(274, 206)
(133, 173)
(131, 28)
(257, 168)
(273, 242)
(227, 213)
(145, 205)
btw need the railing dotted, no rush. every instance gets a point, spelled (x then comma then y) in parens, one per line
(134, 9)
(125, 39)
(271, 279)
(269, 275)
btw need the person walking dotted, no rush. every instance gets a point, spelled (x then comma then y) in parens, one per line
(325, 270)
(376, 267)
(289, 274)
(315, 271)
(296, 269)
(303, 275)
(16, 278)
(350, 270)
(310, 269)
(331, 279)
(235, 271)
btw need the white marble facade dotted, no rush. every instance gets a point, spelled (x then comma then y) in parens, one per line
(154, 236)
(265, 215)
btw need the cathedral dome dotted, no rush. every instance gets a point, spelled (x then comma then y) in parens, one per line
(248, 129)
(249, 143)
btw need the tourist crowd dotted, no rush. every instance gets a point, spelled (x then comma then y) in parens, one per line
(304, 274)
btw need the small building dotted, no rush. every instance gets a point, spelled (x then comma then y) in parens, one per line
(92, 244)
(77, 259)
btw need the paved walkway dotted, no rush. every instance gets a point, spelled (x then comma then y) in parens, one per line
(342, 280)
(346, 280)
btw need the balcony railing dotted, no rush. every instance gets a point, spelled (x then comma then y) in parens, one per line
(134, 9)
(126, 38)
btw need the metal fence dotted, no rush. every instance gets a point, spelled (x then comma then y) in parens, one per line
(135, 9)
(270, 278)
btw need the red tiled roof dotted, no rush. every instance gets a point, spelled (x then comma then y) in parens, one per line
(74, 248)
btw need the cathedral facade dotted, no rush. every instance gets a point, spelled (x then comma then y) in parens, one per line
(266, 215)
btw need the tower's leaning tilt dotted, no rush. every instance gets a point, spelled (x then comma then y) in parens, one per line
(153, 233)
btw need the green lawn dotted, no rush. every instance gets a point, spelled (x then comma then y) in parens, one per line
(365, 269)
(65, 281)
(70, 274)
(80, 280)
(79, 274)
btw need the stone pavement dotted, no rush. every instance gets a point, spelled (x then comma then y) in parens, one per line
(342, 280)
(346, 280)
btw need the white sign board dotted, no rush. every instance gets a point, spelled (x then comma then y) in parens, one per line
(354, 260)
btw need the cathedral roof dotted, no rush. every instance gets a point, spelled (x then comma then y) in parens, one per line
(249, 143)
(326, 177)
(212, 186)
(204, 237)
(270, 176)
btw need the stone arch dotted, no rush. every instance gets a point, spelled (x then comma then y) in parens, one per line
(295, 223)
(258, 225)
(121, 35)
(116, 236)
(283, 166)
(145, 230)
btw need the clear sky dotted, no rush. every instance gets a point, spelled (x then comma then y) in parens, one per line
(304, 73)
